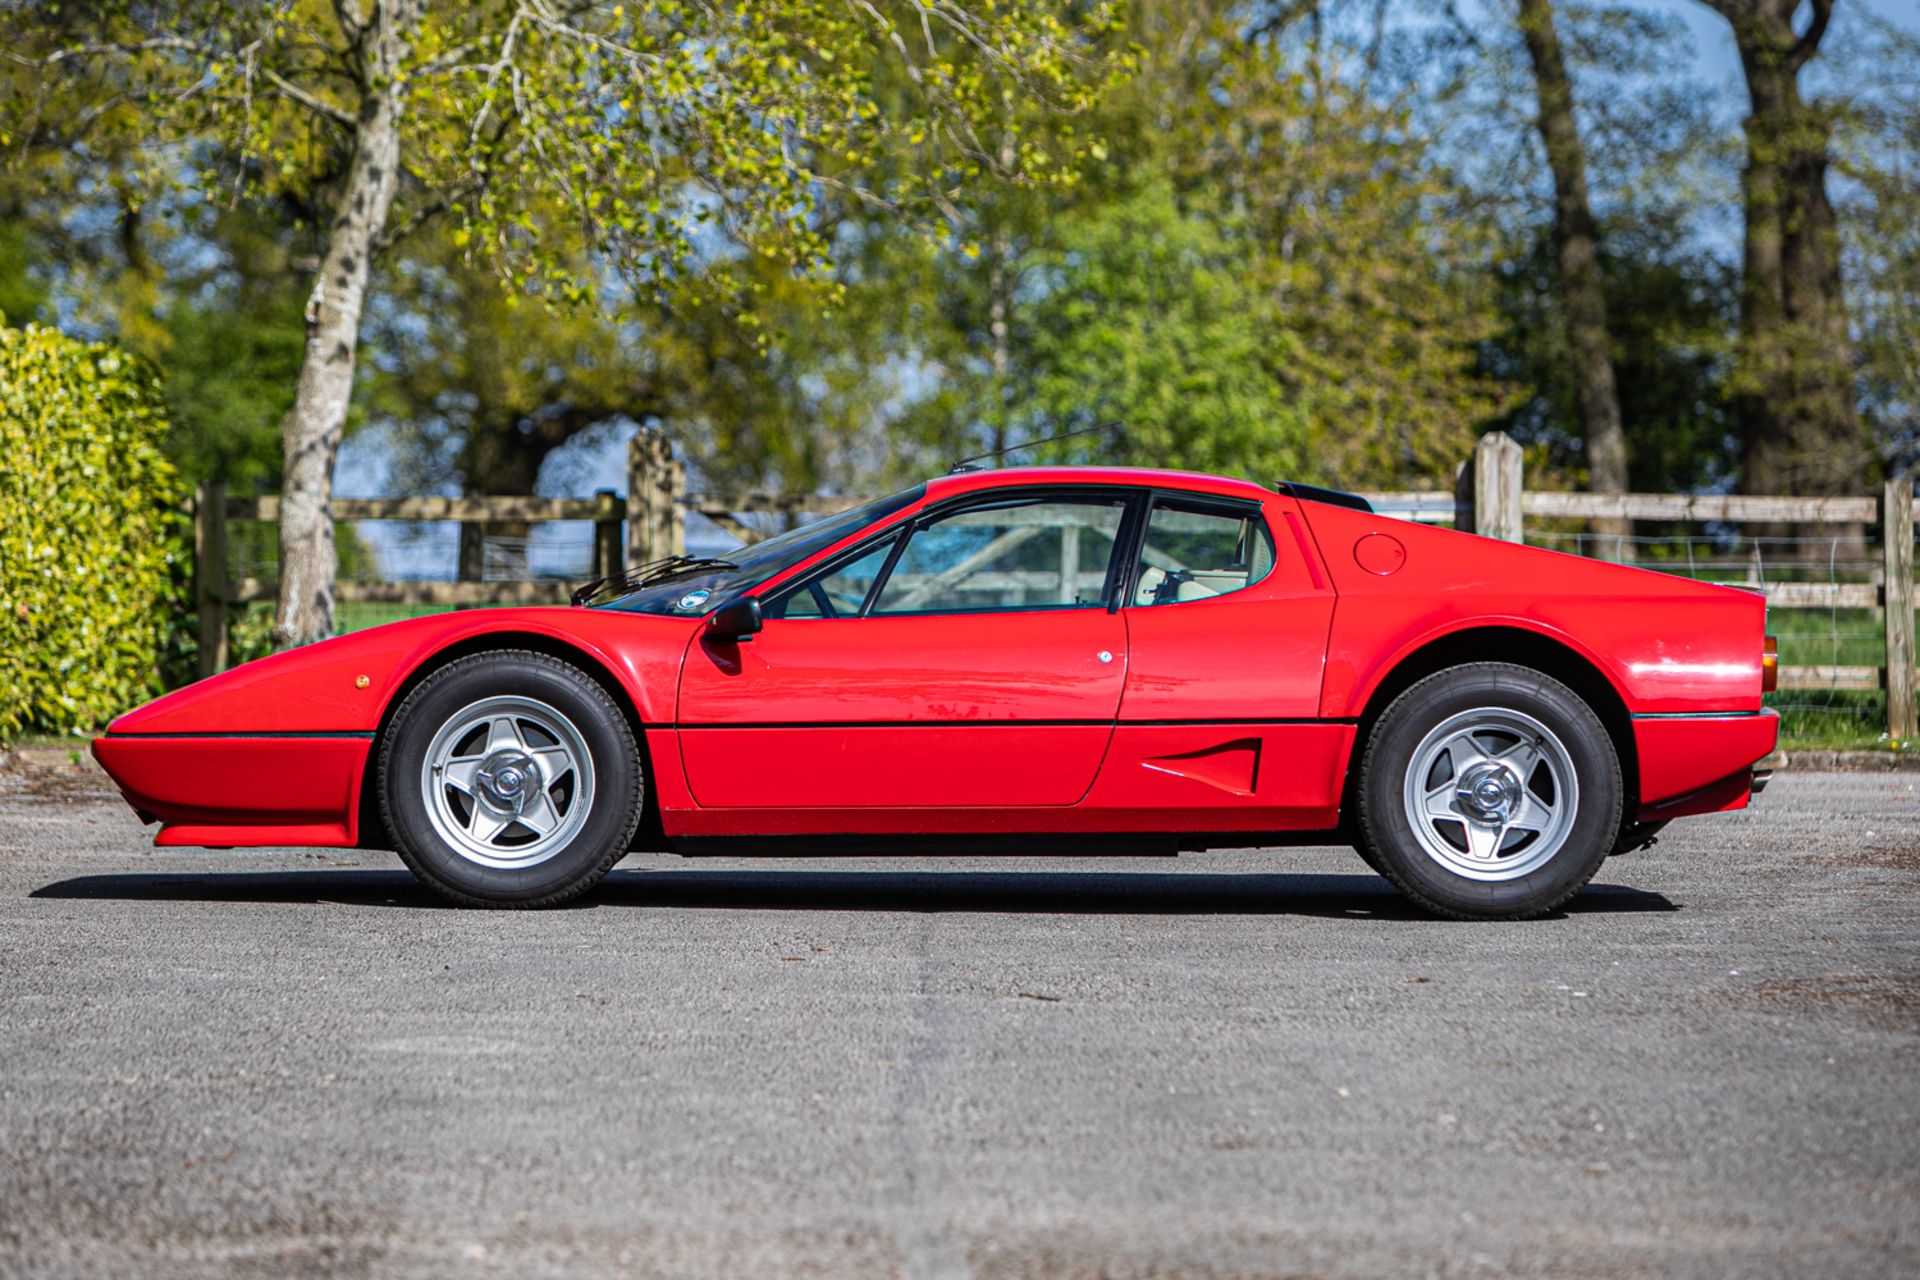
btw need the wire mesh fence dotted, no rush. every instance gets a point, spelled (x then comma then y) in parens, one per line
(1831, 653)
(1821, 562)
(419, 551)
(1835, 643)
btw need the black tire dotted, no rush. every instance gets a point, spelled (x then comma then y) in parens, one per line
(612, 803)
(1387, 838)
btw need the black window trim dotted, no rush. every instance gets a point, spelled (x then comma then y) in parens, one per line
(834, 563)
(1134, 500)
(1245, 508)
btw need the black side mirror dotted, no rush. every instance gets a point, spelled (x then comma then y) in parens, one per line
(736, 621)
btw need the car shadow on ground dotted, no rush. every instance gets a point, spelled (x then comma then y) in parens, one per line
(1014, 892)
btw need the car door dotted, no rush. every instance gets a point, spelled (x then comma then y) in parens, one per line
(1227, 614)
(1227, 610)
(973, 658)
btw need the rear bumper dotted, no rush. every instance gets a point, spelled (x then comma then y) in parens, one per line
(1700, 763)
(228, 790)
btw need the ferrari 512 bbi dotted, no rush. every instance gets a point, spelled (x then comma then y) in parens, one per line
(1105, 660)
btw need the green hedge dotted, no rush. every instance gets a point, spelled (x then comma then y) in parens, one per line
(92, 542)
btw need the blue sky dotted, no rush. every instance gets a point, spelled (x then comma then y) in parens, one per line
(1713, 42)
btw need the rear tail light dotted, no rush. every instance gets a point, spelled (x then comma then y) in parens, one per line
(1769, 665)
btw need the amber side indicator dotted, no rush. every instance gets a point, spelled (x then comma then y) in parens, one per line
(1769, 665)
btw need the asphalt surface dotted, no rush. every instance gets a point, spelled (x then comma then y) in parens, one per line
(1230, 1064)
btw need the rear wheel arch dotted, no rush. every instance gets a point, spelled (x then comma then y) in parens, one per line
(1522, 648)
(373, 832)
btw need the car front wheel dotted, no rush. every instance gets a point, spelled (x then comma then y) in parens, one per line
(1489, 791)
(510, 779)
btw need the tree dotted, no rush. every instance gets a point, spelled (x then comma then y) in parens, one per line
(1376, 279)
(1880, 230)
(1155, 321)
(474, 386)
(664, 129)
(1577, 262)
(1259, 272)
(1794, 389)
(1673, 306)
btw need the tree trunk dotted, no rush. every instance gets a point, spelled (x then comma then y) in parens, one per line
(1583, 298)
(1794, 397)
(1000, 308)
(311, 432)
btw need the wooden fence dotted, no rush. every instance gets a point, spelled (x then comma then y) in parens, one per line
(1493, 501)
(651, 515)
(1490, 499)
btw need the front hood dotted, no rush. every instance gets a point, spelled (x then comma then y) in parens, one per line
(348, 684)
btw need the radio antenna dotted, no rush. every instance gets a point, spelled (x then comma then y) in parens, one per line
(972, 464)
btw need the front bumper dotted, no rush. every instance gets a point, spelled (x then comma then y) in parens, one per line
(229, 790)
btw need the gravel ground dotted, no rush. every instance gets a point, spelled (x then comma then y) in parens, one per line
(1230, 1064)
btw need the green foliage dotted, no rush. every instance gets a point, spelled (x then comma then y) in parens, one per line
(1671, 312)
(230, 374)
(90, 532)
(1880, 223)
(672, 135)
(1259, 273)
(21, 296)
(1154, 319)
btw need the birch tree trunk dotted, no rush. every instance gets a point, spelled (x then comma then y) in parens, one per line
(1000, 308)
(1583, 297)
(312, 430)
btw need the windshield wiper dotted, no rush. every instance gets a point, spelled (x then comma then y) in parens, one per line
(650, 574)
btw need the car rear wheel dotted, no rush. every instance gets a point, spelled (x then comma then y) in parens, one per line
(510, 779)
(1489, 791)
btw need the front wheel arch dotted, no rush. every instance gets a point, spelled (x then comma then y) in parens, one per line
(373, 833)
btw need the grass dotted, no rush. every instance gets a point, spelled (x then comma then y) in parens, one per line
(359, 616)
(74, 744)
(1830, 719)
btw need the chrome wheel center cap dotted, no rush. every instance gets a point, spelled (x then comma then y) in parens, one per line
(1489, 793)
(507, 780)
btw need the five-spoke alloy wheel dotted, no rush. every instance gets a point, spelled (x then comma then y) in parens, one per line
(1491, 793)
(510, 778)
(508, 781)
(1489, 790)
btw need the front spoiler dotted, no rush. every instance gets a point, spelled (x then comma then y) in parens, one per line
(241, 790)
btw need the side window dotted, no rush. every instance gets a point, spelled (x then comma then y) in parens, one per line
(838, 593)
(1010, 556)
(1196, 552)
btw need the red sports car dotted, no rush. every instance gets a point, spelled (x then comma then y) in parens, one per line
(1117, 660)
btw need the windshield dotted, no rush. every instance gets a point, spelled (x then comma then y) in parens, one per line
(704, 587)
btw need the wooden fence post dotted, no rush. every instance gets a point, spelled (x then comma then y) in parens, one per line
(210, 589)
(606, 533)
(1896, 546)
(1496, 487)
(673, 512)
(656, 481)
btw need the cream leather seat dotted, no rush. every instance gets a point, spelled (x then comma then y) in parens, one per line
(1201, 584)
